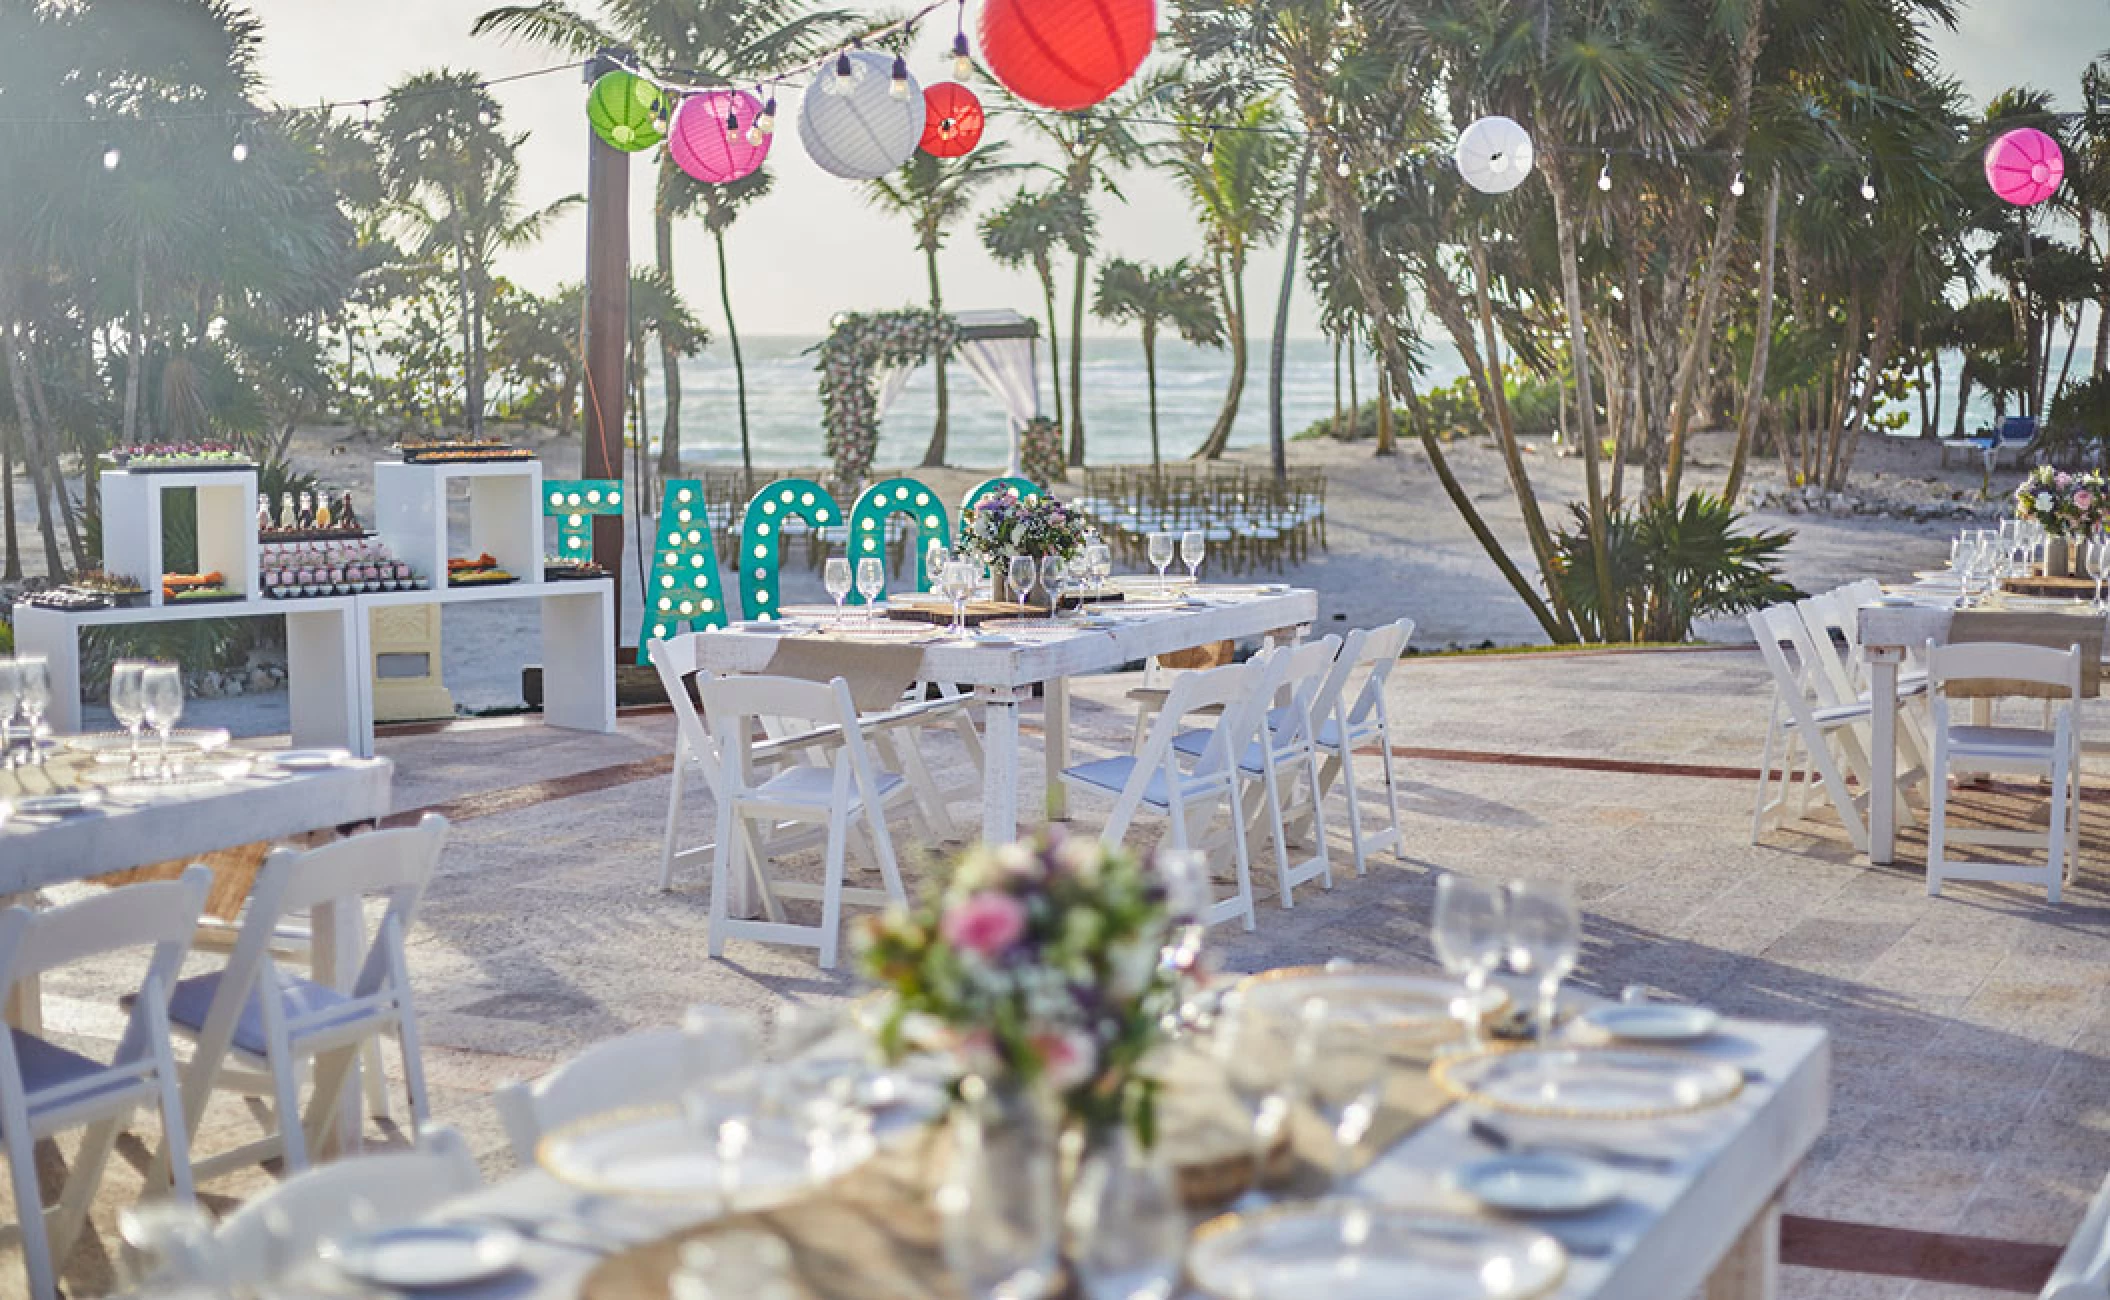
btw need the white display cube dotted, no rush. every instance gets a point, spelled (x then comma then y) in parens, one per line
(505, 515)
(132, 525)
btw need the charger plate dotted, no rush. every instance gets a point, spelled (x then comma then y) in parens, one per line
(1589, 1082)
(425, 1256)
(656, 1151)
(1344, 1249)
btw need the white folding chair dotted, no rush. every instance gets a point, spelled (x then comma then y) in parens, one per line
(257, 1029)
(637, 1069)
(2052, 752)
(841, 788)
(1152, 778)
(278, 1231)
(46, 1089)
(1801, 715)
(1832, 621)
(1283, 758)
(1349, 711)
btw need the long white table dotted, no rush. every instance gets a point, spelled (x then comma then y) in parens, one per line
(1004, 676)
(1711, 1219)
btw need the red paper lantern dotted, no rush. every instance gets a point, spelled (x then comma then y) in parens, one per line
(952, 120)
(1066, 54)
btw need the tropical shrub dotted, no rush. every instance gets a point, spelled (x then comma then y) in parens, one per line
(2080, 419)
(1670, 564)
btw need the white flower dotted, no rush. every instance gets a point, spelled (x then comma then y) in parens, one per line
(2045, 502)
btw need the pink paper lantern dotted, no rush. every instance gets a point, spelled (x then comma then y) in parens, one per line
(2024, 166)
(713, 136)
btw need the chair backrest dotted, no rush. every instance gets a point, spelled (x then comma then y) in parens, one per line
(1306, 673)
(1232, 691)
(1362, 694)
(734, 706)
(2017, 429)
(638, 1069)
(160, 916)
(281, 1229)
(676, 661)
(1824, 617)
(2055, 673)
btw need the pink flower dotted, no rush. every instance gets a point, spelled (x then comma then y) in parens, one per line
(2063, 479)
(2083, 499)
(985, 922)
(1069, 1056)
(976, 1052)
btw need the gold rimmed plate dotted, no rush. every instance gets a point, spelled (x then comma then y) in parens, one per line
(659, 1151)
(1592, 1083)
(1347, 1249)
(1392, 1001)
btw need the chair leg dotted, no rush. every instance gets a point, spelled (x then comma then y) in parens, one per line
(1384, 750)
(1271, 794)
(832, 887)
(1765, 771)
(29, 1210)
(2055, 837)
(1937, 820)
(1318, 818)
(81, 1181)
(725, 867)
(285, 1087)
(374, 1079)
(1343, 762)
(666, 844)
(1243, 860)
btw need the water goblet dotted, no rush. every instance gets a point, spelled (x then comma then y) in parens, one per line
(1001, 1224)
(1194, 544)
(162, 688)
(1160, 553)
(1055, 580)
(960, 578)
(1544, 940)
(1251, 1050)
(128, 702)
(935, 557)
(1340, 1071)
(33, 692)
(835, 576)
(1128, 1224)
(1020, 573)
(871, 582)
(1101, 558)
(1469, 932)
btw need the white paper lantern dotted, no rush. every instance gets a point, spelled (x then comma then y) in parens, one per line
(860, 130)
(1494, 155)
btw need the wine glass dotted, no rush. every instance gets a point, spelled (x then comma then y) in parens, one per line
(935, 557)
(162, 687)
(1194, 544)
(1340, 1073)
(128, 703)
(1002, 1228)
(1128, 1225)
(1469, 932)
(1101, 558)
(960, 579)
(33, 692)
(1248, 1047)
(1160, 553)
(719, 1049)
(871, 582)
(1055, 580)
(1545, 938)
(1020, 574)
(835, 576)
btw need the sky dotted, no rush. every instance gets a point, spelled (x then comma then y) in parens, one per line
(816, 247)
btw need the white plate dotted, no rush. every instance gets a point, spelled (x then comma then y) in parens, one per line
(1894, 602)
(1420, 1005)
(1357, 1250)
(308, 760)
(994, 642)
(1535, 1184)
(657, 1152)
(1654, 1022)
(107, 743)
(1589, 1083)
(50, 805)
(425, 1256)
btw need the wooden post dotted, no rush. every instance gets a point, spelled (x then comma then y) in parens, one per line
(607, 329)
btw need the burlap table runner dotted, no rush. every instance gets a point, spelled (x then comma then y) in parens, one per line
(873, 1234)
(2058, 629)
(877, 672)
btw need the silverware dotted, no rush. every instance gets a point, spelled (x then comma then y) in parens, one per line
(1502, 1140)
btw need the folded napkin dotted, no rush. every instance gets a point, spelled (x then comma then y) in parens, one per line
(877, 672)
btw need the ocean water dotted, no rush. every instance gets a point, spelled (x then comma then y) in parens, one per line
(784, 409)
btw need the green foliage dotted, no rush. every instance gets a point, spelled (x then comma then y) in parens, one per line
(1453, 411)
(1670, 564)
(2080, 420)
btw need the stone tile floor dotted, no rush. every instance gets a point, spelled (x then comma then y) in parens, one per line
(1971, 1096)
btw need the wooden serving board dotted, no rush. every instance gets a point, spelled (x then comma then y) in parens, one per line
(2038, 585)
(978, 611)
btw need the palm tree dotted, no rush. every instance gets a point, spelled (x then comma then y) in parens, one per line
(1030, 227)
(706, 42)
(721, 205)
(1238, 181)
(935, 194)
(1179, 294)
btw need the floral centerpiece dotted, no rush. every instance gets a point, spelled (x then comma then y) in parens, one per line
(1035, 966)
(1003, 524)
(2068, 506)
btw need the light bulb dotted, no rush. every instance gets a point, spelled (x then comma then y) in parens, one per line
(111, 157)
(1736, 186)
(1604, 177)
(732, 126)
(754, 135)
(767, 123)
(1209, 150)
(898, 87)
(1868, 188)
(1341, 168)
(962, 61)
(840, 84)
(240, 152)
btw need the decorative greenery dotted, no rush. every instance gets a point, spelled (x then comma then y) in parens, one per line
(1040, 451)
(1003, 524)
(857, 344)
(1034, 964)
(1671, 564)
(2063, 503)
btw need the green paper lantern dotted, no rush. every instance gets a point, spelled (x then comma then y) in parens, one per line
(626, 111)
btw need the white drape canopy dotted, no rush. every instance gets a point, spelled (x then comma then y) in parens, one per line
(998, 349)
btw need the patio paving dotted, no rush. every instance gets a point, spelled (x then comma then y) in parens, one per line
(1971, 1096)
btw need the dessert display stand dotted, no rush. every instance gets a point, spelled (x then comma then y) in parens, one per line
(329, 643)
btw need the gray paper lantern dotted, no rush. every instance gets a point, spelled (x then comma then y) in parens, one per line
(1494, 155)
(860, 130)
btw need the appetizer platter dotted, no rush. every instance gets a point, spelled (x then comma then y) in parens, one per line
(178, 457)
(483, 571)
(337, 568)
(461, 451)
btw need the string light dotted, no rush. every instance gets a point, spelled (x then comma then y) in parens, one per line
(1341, 168)
(1868, 189)
(1736, 186)
(839, 84)
(962, 61)
(732, 125)
(240, 152)
(1209, 149)
(767, 122)
(111, 157)
(1604, 175)
(898, 87)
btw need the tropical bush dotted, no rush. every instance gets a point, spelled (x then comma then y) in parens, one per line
(1453, 411)
(1670, 564)
(2080, 419)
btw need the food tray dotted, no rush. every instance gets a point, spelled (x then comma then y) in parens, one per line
(223, 598)
(468, 578)
(463, 455)
(181, 466)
